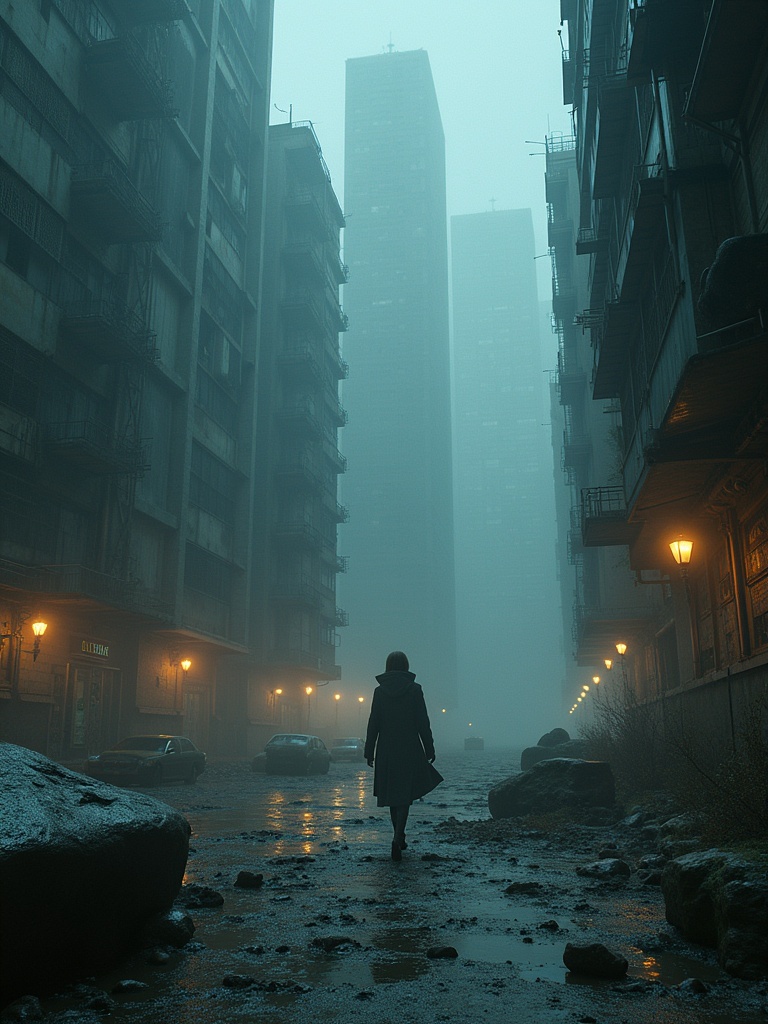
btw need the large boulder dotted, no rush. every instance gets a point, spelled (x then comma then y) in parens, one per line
(83, 867)
(554, 738)
(545, 752)
(717, 899)
(553, 784)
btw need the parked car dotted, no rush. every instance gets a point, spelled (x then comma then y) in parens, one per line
(349, 748)
(148, 761)
(290, 753)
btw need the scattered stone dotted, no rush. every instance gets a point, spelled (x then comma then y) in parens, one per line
(196, 896)
(528, 940)
(100, 1003)
(26, 1008)
(568, 748)
(157, 957)
(331, 942)
(692, 987)
(611, 867)
(282, 949)
(595, 960)
(175, 928)
(249, 880)
(253, 950)
(365, 993)
(432, 856)
(442, 953)
(587, 1020)
(237, 981)
(549, 926)
(554, 784)
(129, 985)
(524, 889)
(554, 738)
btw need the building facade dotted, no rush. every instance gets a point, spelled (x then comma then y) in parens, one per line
(672, 161)
(132, 206)
(399, 589)
(298, 460)
(507, 600)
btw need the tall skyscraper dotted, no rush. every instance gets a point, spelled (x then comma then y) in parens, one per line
(508, 608)
(399, 590)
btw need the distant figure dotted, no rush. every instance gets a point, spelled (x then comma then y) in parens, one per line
(400, 735)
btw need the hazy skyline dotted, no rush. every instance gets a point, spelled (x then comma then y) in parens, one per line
(497, 73)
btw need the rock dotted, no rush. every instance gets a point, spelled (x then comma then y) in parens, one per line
(249, 880)
(331, 942)
(719, 900)
(237, 981)
(551, 785)
(692, 987)
(172, 929)
(196, 896)
(524, 889)
(442, 953)
(26, 1008)
(554, 738)
(83, 866)
(569, 748)
(129, 985)
(609, 867)
(595, 960)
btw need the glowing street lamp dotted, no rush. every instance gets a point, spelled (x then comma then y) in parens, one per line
(337, 698)
(38, 628)
(608, 662)
(186, 665)
(681, 550)
(621, 648)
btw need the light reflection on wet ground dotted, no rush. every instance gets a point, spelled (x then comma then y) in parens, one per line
(323, 848)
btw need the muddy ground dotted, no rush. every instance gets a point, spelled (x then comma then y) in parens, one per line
(338, 932)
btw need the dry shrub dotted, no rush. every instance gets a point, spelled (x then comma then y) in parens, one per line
(728, 788)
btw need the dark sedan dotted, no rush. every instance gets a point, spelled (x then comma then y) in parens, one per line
(148, 761)
(348, 748)
(290, 753)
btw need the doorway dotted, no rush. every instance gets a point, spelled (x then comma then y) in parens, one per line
(93, 709)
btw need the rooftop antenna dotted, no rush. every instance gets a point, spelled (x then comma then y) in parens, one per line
(390, 44)
(289, 111)
(492, 201)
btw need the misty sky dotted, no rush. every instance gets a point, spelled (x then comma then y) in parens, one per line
(496, 66)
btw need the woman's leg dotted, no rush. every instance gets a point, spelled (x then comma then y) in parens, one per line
(400, 821)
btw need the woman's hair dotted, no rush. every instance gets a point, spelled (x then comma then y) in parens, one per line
(397, 662)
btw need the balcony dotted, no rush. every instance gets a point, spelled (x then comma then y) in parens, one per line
(604, 518)
(589, 240)
(120, 73)
(338, 319)
(305, 209)
(143, 12)
(300, 532)
(334, 456)
(577, 449)
(302, 310)
(643, 222)
(339, 415)
(304, 261)
(614, 100)
(339, 366)
(300, 471)
(339, 270)
(341, 617)
(88, 445)
(611, 339)
(111, 205)
(569, 78)
(301, 417)
(596, 628)
(298, 360)
(297, 590)
(108, 329)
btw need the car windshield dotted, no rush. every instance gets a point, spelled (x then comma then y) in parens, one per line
(156, 744)
(284, 741)
(350, 741)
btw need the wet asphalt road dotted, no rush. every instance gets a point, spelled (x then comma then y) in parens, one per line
(323, 848)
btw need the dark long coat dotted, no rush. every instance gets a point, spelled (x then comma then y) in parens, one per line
(400, 737)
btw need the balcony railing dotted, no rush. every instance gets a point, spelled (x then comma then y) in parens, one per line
(111, 204)
(109, 329)
(120, 72)
(604, 517)
(88, 444)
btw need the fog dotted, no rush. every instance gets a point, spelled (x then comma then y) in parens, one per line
(496, 69)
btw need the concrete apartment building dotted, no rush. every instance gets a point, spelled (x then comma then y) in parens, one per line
(600, 599)
(399, 589)
(507, 599)
(671, 154)
(132, 211)
(299, 414)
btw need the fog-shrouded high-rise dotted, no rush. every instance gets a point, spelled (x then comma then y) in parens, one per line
(399, 589)
(508, 608)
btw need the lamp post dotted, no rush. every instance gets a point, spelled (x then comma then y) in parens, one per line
(682, 550)
(337, 698)
(360, 702)
(596, 681)
(308, 691)
(621, 648)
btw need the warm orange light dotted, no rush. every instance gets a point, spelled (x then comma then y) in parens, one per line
(621, 648)
(308, 690)
(39, 628)
(278, 692)
(361, 699)
(609, 663)
(337, 696)
(681, 550)
(186, 664)
(580, 699)
(596, 680)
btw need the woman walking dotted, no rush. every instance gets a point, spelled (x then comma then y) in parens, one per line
(399, 745)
